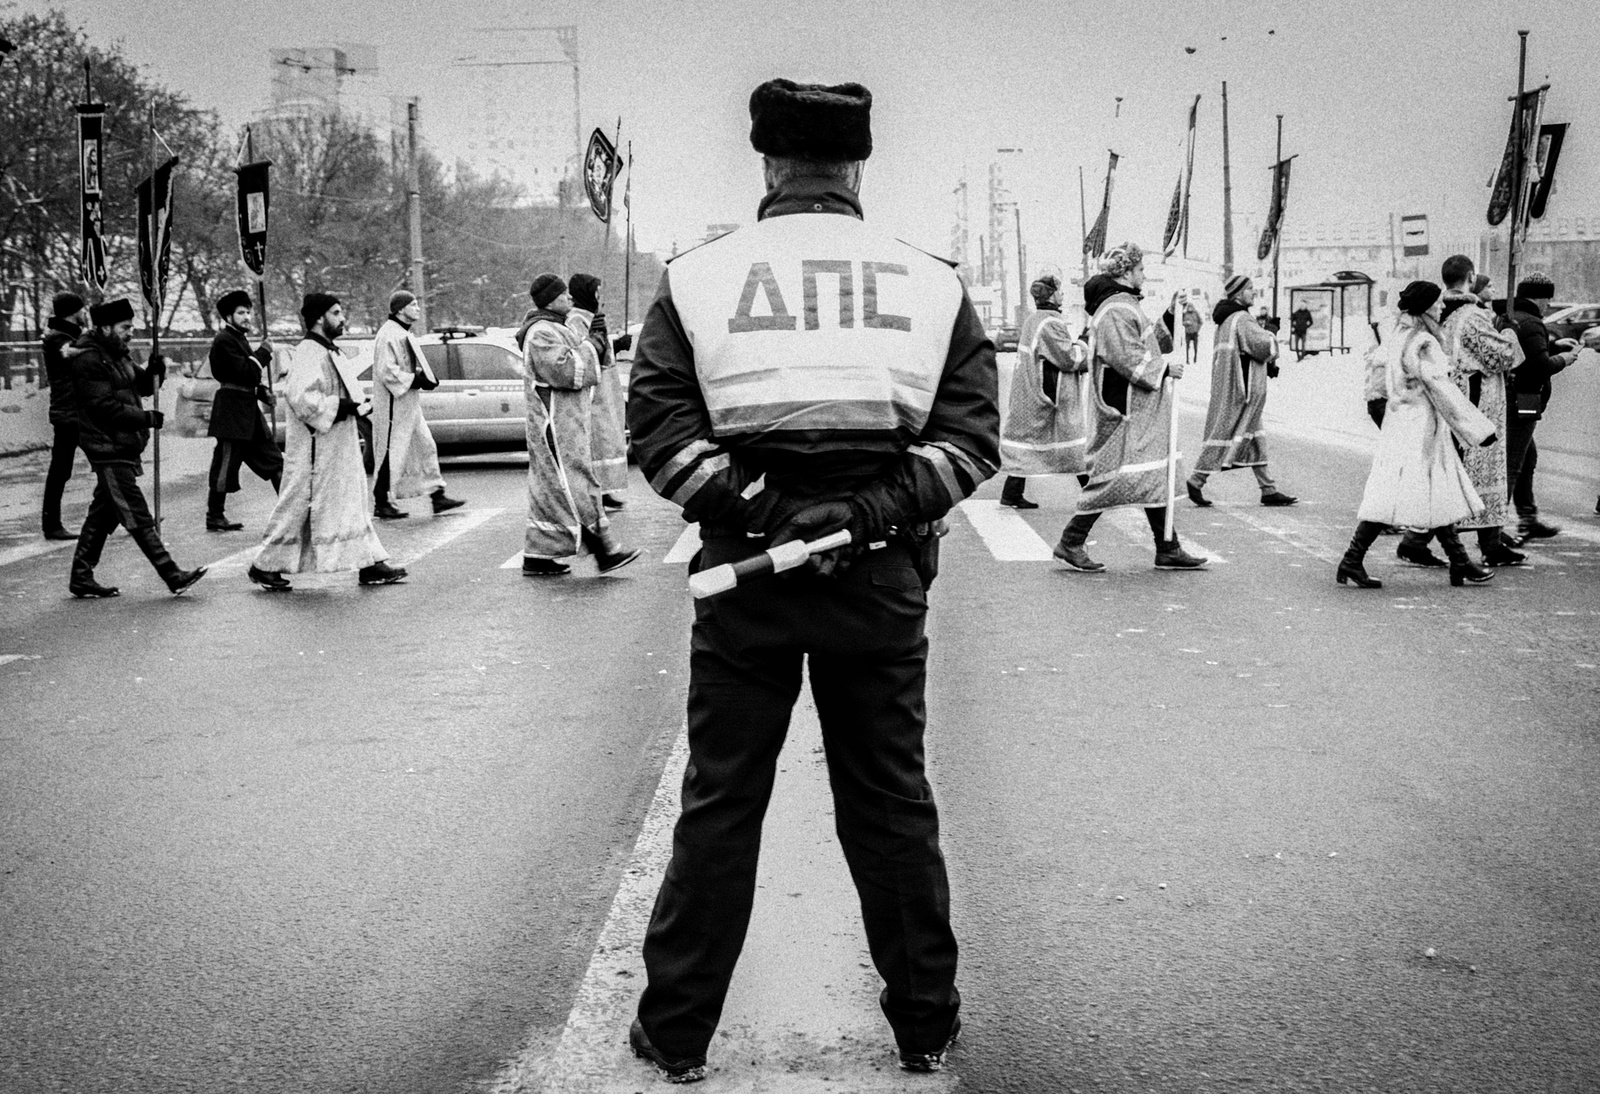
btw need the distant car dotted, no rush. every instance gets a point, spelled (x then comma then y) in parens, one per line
(1572, 321)
(480, 401)
(1005, 340)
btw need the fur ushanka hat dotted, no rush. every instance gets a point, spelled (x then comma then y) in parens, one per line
(811, 121)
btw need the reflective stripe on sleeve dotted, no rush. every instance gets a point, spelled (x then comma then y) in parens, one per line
(686, 456)
(701, 476)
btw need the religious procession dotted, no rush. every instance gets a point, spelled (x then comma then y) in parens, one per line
(781, 677)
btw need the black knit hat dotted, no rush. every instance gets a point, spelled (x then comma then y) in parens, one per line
(111, 312)
(1418, 297)
(231, 302)
(545, 288)
(811, 121)
(315, 306)
(64, 305)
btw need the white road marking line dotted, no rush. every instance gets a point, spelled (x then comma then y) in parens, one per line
(512, 563)
(443, 531)
(7, 658)
(33, 550)
(1008, 537)
(1295, 538)
(688, 543)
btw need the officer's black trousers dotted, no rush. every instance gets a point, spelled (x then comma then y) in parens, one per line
(259, 454)
(118, 500)
(62, 454)
(863, 637)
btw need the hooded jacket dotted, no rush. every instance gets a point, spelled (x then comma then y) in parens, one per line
(58, 369)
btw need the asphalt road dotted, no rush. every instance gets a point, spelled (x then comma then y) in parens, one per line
(1204, 829)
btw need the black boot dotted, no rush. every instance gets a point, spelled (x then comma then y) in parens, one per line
(1011, 493)
(1495, 551)
(380, 573)
(443, 504)
(1413, 548)
(1170, 556)
(1350, 567)
(1462, 568)
(1073, 537)
(608, 553)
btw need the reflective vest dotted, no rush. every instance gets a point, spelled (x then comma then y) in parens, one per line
(815, 322)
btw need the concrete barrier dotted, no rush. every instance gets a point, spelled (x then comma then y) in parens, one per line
(24, 419)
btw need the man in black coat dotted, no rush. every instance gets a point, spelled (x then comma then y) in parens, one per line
(236, 419)
(1529, 394)
(113, 428)
(67, 316)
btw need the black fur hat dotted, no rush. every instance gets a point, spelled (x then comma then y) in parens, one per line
(231, 302)
(111, 312)
(811, 121)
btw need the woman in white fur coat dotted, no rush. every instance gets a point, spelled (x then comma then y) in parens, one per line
(1417, 478)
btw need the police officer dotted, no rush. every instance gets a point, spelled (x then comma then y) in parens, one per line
(848, 374)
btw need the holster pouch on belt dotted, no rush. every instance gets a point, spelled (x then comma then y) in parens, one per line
(923, 539)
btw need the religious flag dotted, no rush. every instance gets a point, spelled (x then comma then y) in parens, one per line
(601, 166)
(155, 236)
(1280, 202)
(1094, 244)
(1177, 230)
(253, 199)
(1544, 163)
(91, 151)
(1532, 107)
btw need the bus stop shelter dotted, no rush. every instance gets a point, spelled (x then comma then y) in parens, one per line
(1339, 307)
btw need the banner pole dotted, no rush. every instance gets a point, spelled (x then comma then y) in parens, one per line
(155, 313)
(1172, 457)
(1516, 171)
(627, 243)
(261, 281)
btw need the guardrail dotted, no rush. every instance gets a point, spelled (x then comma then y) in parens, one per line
(22, 363)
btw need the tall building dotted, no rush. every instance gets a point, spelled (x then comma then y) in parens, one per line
(316, 81)
(517, 100)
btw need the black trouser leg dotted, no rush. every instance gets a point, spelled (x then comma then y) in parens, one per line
(97, 525)
(873, 716)
(118, 500)
(1076, 533)
(1011, 491)
(224, 471)
(63, 451)
(1521, 458)
(380, 483)
(1158, 526)
(1414, 539)
(1456, 551)
(1489, 540)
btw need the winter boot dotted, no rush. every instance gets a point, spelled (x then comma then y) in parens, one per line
(443, 504)
(1462, 568)
(1495, 551)
(1011, 493)
(1070, 549)
(1170, 556)
(1413, 548)
(381, 573)
(1350, 567)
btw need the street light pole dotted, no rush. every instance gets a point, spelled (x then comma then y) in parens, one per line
(1227, 193)
(414, 215)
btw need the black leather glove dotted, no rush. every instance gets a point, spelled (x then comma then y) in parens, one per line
(347, 409)
(419, 381)
(157, 366)
(154, 419)
(622, 343)
(264, 395)
(818, 519)
(598, 326)
(1272, 370)
(585, 289)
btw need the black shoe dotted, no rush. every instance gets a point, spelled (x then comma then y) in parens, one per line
(1418, 555)
(1597, 505)
(1170, 556)
(1470, 572)
(1078, 559)
(385, 510)
(930, 1061)
(59, 533)
(381, 573)
(183, 579)
(1534, 528)
(615, 560)
(443, 504)
(222, 524)
(690, 1069)
(1019, 503)
(1355, 572)
(612, 502)
(544, 567)
(1278, 497)
(91, 588)
(1195, 495)
(270, 580)
(1503, 556)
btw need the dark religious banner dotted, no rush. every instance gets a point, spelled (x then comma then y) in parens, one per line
(1177, 230)
(1532, 108)
(1280, 202)
(155, 236)
(1094, 244)
(1544, 161)
(253, 200)
(601, 165)
(91, 151)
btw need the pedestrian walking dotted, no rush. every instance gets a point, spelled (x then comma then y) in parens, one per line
(404, 454)
(561, 353)
(1417, 478)
(1192, 322)
(1130, 451)
(68, 314)
(323, 520)
(237, 422)
(1042, 431)
(1530, 395)
(1300, 323)
(608, 446)
(1241, 361)
(114, 428)
(872, 411)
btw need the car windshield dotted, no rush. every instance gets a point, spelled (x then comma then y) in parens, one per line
(487, 361)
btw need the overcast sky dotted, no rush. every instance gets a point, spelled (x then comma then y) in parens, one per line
(1393, 107)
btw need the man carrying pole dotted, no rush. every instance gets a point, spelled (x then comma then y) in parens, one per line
(1132, 451)
(236, 422)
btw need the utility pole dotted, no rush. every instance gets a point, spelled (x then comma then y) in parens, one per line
(997, 239)
(1227, 193)
(1516, 170)
(414, 215)
(1022, 269)
(1277, 235)
(1083, 221)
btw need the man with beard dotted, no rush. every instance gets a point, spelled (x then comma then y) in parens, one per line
(236, 419)
(323, 520)
(1130, 445)
(113, 428)
(1241, 361)
(68, 313)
